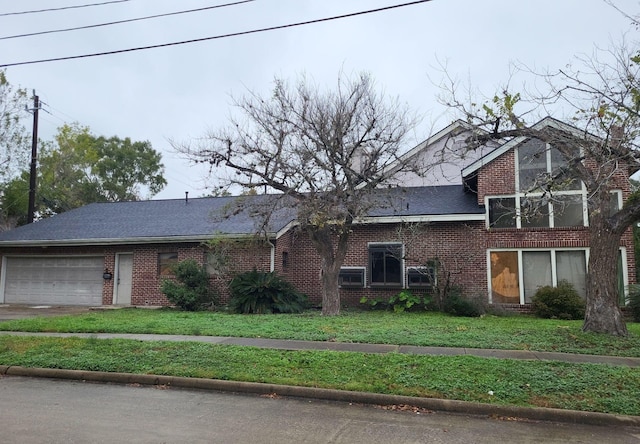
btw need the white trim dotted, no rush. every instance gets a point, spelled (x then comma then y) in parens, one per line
(422, 218)
(116, 275)
(3, 278)
(546, 122)
(625, 272)
(493, 155)
(419, 267)
(554, 274)
(364, 275)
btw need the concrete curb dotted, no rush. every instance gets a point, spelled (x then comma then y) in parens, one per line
(443, 405)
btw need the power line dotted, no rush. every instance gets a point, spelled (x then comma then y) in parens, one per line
(125, 21)
(234, 34)
(62, 8)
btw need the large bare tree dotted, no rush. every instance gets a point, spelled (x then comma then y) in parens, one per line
(600, 100)
(320, 153)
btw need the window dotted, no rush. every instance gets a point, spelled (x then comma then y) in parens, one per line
(385, 264)
(502, 212)
(537, 203)
(351, 277)
(532, 164)
(421, 277)
(517, 275)
(505, 287)
(166, 262)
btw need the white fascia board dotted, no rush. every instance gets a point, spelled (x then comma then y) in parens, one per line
(118, 241)
(493, 155)
(421, 218)
(547, 122)
(286, 229)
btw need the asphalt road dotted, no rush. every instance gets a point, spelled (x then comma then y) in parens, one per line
(57, 411)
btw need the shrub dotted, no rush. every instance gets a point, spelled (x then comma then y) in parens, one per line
(457, 305)
(190, 290)
(561, 302)
(633, 302)
(261, 292)
(375, 303)
(405, 300)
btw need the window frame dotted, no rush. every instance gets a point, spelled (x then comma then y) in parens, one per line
(359, 271)
(385, 247)
(554, 272)
(433, 278)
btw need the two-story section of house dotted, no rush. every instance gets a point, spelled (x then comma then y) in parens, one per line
(534, 235)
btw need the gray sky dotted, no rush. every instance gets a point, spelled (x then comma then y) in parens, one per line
(180, 92)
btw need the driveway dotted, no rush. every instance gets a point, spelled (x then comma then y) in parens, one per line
(10, 311)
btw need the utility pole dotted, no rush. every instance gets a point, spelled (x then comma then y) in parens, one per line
(34, 159)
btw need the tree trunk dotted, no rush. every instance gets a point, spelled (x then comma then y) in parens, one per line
(603, 313)
(332, 259)
(330, 291)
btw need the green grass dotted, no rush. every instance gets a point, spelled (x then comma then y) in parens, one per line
(427, 329)
(587, 387)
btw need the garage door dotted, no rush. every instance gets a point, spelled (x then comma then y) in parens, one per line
(54, 280)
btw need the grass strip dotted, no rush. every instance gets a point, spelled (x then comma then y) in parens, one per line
(586, 387)
(422, 329)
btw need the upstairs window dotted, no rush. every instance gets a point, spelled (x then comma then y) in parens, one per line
(502, 212)
(538, 162)
(386, 264)
(538, 202)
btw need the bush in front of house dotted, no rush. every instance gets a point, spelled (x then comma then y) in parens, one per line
(264, 292)
(633, 302)
(190, 290)
(561, 302)
(457, 305)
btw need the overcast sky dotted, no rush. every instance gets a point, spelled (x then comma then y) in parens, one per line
(180, 92)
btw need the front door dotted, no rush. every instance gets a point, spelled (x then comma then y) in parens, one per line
(123, 277)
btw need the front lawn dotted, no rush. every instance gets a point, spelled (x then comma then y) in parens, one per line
(425, 328)
(587, 387)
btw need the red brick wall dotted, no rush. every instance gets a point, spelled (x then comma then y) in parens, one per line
(497, 177)
(460, 247)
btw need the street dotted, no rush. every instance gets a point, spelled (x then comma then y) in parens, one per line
(58, 411)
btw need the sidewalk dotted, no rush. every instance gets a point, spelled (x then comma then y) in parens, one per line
(282, 344)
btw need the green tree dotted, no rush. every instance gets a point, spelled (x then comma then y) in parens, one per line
(13, 136)
(78, 168)
(14, 143)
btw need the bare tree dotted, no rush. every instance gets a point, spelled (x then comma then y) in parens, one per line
(599, 148)
(322, 154)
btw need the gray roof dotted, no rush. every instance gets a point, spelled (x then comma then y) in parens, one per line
(198, 219)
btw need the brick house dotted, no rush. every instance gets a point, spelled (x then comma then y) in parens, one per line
(467, 214)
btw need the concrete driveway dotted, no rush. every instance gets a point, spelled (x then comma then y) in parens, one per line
(10, 311)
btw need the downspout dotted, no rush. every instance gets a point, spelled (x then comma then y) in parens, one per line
(272, 265)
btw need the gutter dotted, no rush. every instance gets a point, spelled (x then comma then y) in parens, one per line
(120, 241)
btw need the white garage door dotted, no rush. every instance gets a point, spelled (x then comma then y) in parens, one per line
(53, 280)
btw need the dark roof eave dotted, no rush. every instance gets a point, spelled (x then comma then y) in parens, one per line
(122, 241)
